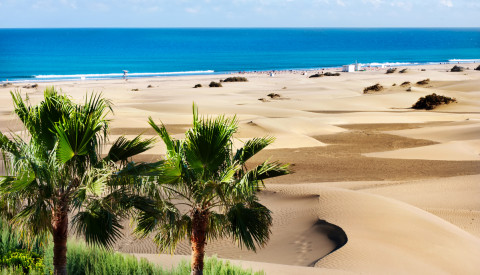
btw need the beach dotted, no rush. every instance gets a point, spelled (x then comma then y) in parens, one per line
(376, 188)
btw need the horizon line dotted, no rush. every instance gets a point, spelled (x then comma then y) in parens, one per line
(3, 28)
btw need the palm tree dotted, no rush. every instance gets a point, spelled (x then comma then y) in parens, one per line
(203, 190)
(56, 169)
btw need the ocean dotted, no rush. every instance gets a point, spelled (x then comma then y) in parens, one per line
(66, 54)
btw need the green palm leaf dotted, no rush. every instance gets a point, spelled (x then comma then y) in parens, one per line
(252, 147)
(123, 149)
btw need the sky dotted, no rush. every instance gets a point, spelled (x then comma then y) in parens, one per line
(238, 13)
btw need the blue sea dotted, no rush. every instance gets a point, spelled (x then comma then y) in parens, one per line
(61, 54)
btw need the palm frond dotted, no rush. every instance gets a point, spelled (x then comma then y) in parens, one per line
(249, 224)
(123, 149)
(208, 144)
(97, 225)
(252, 147)
(267, 170)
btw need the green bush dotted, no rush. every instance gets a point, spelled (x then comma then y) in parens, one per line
(11, 240)
(235, 79)
(18, 271)
(22, 259)
(84, 259)
(429, 102)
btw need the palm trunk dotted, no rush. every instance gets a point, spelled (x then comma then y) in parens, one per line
(60, 235)
(198, 238)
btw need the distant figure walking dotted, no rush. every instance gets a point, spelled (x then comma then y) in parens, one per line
(125, 75)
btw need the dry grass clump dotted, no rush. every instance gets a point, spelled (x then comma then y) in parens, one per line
(394, 84)
(406, 83)
(135, 90)
(403, 71)
(430, 102)
(235, 79)
(457, 69)
(391, 70)
(374, 88)
(149, 86)
(198, 86)
(424, 82)
(214, 84)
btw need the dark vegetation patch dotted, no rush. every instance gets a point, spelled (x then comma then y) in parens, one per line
(374, 88)
(235, 79)
(457, 69)
(406, 83)
(135, 90)
(430, 102)
(198, 86)
(30, 86)
(424, 82)
(149, 86)
(403, 71)
(214, 84)
(274, 95)
(324, 74)
(477, 68)
(391, 70)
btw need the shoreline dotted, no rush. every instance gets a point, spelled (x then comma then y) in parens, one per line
(155, 75)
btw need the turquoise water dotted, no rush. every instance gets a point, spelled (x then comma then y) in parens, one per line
(56, 54)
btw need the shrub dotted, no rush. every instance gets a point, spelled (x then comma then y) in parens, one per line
(135, 90)
(403, 71)
(84, 259)
(325, 74)
(235, 79)
(429, 102)
(391, 70)
(274, 95)
(457, 69)
(422, 70)
(198, 86)
(477, 68)
(149, 86)
(394, 84)
(424, 82)
(11, 240)
(331, 74)
(376, 88)
(215, 84)
(18, 271)
(23, 259)
(406, 83)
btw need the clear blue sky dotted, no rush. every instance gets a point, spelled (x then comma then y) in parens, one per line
(239, 13)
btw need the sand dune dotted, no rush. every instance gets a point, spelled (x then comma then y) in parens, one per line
(401, 186)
